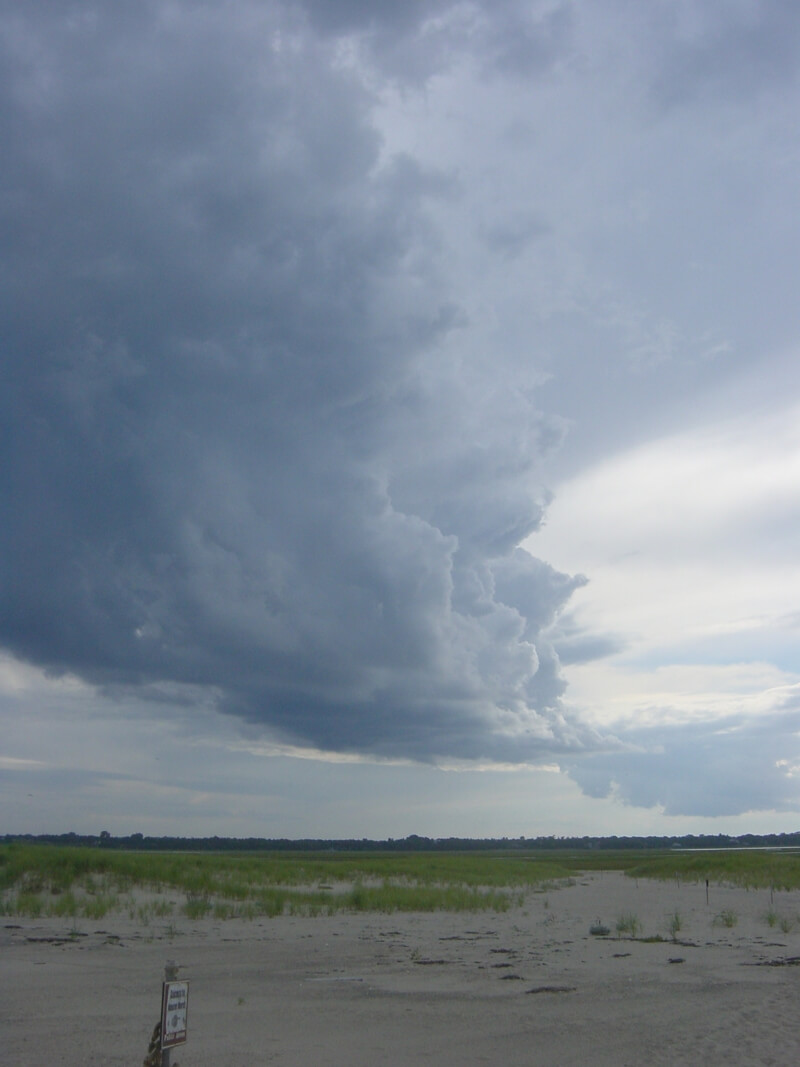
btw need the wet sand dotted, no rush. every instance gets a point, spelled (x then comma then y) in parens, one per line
(530, 986)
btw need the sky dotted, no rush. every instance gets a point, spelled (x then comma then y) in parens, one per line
(399, 417)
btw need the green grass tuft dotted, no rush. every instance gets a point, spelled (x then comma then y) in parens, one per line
(727, 918)
(675, 924)
(98, 907)
(197, 907)
(628, 924)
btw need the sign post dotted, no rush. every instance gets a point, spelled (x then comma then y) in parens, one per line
(174, 1012)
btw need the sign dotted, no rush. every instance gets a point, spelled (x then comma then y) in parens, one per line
(174, 1012)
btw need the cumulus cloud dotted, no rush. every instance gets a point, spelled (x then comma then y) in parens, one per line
(243, 451)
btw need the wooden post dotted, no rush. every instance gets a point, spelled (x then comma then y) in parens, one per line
(170, 975)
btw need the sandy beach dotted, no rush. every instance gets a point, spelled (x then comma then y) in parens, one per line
(530, 986)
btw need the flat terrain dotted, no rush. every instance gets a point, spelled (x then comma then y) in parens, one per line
(530, 985)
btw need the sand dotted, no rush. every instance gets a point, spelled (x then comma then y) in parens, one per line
(531, 986)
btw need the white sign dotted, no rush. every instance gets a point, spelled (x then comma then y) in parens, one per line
(174, 1013)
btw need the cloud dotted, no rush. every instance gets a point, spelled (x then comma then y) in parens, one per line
(413, 41)
(298, 301)
(727, 766)
(727, 53)
(527, 40)
(513, 236)
(575, 643)
(688, 539)
(245, 457)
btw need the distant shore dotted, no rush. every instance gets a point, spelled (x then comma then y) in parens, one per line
(411, 843)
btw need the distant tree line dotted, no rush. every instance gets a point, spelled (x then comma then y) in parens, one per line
(412, 843)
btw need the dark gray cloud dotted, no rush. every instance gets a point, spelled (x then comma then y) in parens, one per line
(240, 450)
(576, 644)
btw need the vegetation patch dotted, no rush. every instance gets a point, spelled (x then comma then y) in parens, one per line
(88, 882)
(727, 918)
(675, 924)
(747, 869)
(628, 925)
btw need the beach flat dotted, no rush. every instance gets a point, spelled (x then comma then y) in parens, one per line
(531, 985)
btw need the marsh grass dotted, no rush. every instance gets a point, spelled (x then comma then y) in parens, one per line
(746, 869)
(28, 904)
(197, 907)
(86, 882)
(391, 897)
(65, 904)
(783, 922)
(91, 882)
(98, 907)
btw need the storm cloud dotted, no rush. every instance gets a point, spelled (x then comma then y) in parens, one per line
(410, 388)
(242, 450)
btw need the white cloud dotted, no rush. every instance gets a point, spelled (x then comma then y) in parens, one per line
(688, 538)
(690, 541)
(11, 763)
(616, 695)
